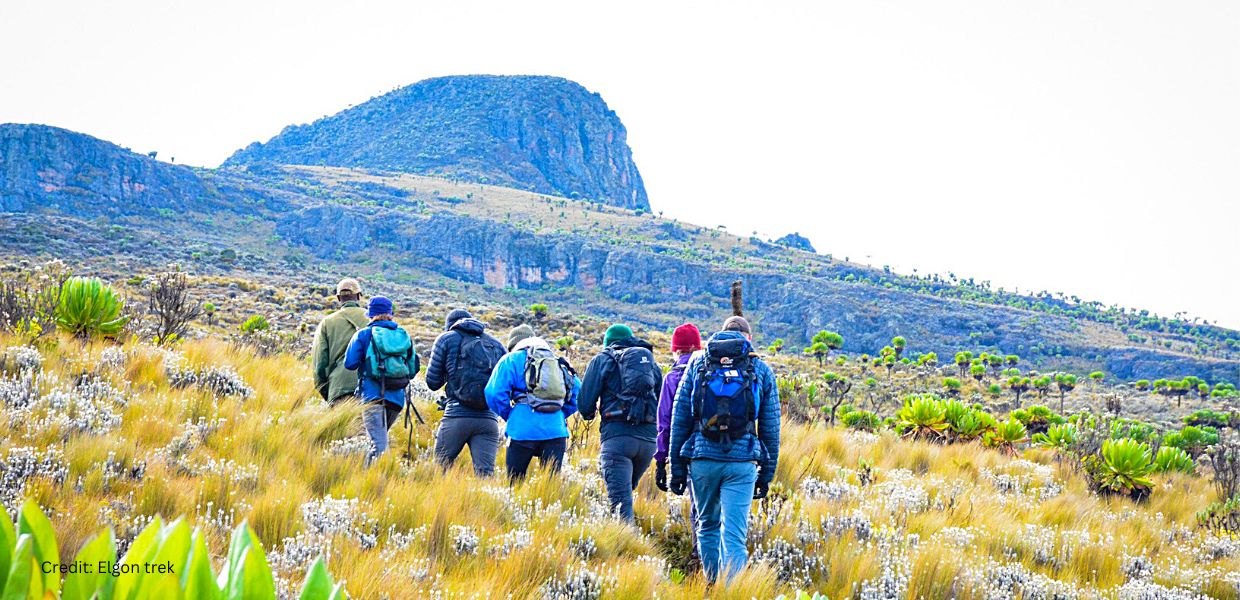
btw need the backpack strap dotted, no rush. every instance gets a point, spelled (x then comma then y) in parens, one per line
(374, 351)
(356, 327)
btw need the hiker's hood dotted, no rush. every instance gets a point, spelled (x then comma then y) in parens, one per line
(730, 335)
(384, 324)
(531, 342)
(630, 342)
(469, 325)
(454, 316)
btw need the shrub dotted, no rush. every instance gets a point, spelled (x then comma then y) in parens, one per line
(1172, 459)
(951, 385)
(1192, 440)
(88, 307)
(1006, 436)
(1123, 467)
(538, 310)
(862, 420)
(1058, 437)
(1216, 419)
(965, 424)
(1222, 516)
(921, 417)
(255, 324)
(171, 304)
(28, 299)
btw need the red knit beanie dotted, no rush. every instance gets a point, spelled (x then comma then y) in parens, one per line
(686, 338)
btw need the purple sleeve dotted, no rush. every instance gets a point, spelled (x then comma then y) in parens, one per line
(666, 397)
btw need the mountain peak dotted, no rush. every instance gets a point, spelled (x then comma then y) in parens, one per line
(540, 133)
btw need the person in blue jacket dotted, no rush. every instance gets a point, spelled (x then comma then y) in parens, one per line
(383, 403)
(726, 476)
(530, 433)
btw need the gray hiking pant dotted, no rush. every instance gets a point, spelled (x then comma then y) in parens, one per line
(377, 418)
(624, 459)
(480, 433)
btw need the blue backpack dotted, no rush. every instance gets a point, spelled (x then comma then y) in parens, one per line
(389, 357)
(725, 400)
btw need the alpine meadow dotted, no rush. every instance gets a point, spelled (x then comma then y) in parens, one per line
(195, 365)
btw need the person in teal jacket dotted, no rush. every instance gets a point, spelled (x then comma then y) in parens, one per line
(530, 433)
(383, 403)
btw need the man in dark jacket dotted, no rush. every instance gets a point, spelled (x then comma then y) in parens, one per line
(728, 474)
(461, 363)
(622, 383)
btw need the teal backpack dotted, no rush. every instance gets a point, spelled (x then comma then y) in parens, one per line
(390, 356)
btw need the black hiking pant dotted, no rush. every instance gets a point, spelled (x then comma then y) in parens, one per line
(550, 454)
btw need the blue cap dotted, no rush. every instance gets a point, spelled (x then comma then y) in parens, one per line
(379, 306)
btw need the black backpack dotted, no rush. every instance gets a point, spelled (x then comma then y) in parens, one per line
(475, 359)
(637, 400)
(725, 400)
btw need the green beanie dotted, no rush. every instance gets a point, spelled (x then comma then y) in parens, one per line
(617, 332)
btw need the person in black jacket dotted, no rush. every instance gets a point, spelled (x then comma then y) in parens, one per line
(461, 363)
(622, 384)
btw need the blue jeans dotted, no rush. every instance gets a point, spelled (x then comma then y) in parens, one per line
(378, 417)
(624, 459)
(722, 493)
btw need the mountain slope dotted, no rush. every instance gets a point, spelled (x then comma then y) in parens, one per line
(545, 134)
(521, 247)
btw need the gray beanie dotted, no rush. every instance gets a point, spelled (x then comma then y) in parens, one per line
(519, 333)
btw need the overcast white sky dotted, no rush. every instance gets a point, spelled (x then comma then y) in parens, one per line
(1084, 147)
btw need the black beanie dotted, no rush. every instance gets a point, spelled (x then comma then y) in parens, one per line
(456, 315)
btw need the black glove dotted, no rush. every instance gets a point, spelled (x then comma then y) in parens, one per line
(760, 489)
(678, 485)
(660, 475)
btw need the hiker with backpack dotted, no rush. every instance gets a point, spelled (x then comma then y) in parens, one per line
(535, 392)
(461, 364)
(383, 355)
(331, 339)
(621, 384)
(686, 340)
(725, 442)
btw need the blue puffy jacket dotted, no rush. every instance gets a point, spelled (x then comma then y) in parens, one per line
(368, 384)
(688, 444)
(524, 423)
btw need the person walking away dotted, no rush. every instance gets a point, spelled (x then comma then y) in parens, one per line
(383, 355)
(622, 383)
(686, 340)
(331, 339)
(462, 360)
(534, 391)
(725, 442)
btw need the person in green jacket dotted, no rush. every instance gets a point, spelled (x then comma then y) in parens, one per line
(331, 340)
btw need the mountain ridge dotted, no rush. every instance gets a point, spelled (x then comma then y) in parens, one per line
(546, 134)
(603, 259)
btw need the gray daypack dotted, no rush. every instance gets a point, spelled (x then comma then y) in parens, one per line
(548, 379)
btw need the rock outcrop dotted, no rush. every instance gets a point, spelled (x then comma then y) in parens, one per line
(53, 170)
(543, 134)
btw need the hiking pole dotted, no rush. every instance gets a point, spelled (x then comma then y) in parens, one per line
(409, 407)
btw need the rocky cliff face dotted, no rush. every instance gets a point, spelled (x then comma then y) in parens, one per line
(47, 169)
(543, 134)
(786, 306)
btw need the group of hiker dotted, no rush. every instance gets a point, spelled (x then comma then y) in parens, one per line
(713, 418)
